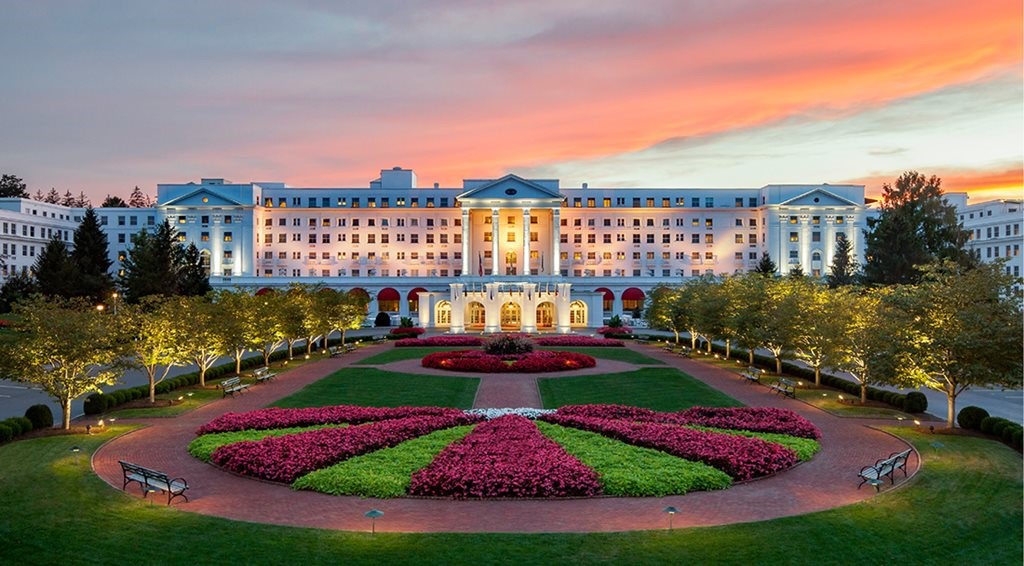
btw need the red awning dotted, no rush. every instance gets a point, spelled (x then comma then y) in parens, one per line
(608, 295)
(413, 294)
(633, 294)
(388, 294)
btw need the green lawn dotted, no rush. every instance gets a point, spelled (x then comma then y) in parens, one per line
(661, 389)
(965, 507)
(371, 387)
(199, 397)
(619, 354)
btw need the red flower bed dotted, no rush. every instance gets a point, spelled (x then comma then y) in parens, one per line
(407, 330)
(754, 419)
(262, 419)
(578, 342)
(481, 362)
(505, 457)
(614, 330)
(445, 341)
(741, 457)
(285, 458)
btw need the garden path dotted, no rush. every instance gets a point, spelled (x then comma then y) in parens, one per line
(827, 481)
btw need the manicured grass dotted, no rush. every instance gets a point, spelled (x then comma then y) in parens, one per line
(828, 400)
(199, 398)
(204, 446)
(661, 389)
(805, 448)
(371, 387)
(964, 507)
(384, 473)
(632, 471)
(619, 354)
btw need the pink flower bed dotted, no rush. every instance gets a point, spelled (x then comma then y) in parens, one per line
(505, 457)
(754, 419)
(741, 457)
(614, 330)
(443, 341)
(577, 341)
(262, 419)
(476, 361)
(285, 458)
(411, 330)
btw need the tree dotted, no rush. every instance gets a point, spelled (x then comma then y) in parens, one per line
(54, 271)
(780, 329)
(965, 330)
(64, 347)
(192, 276)
(12, 187)
(843, 270)
(138, 199)
(91, 260)
(154, 338)
(292, 315)
(664, 311)
(202, 344)
(52, 197)
(868, 338)
(796, 271)
(114, 202)
(749, 310)
(344, 311)
(819, 327)
(915, 227)
(233, 329)
(152, 265)
(766, 266)
(18, 286)
(82, 201)
(265, 325)
(68, 199)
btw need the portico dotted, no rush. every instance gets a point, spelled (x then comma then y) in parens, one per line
(509, 307)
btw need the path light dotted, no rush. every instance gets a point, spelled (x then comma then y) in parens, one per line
(181, 398)
(840, 398)
(373, 514)
(150, 491)
(917, 423)
(75, 450)
(671, 513)
(901, 419)
(112, 420)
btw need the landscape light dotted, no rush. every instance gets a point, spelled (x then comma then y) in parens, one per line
(373, 514)
(671, 513)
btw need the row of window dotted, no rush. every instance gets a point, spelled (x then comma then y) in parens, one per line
(356, 202)
(11, 250)
(324, 238)
(1011, 251)
(123, 220)
(29, 231)
(369, 222)
(993, 232)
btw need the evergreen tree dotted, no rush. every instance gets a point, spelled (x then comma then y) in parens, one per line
(153, 264)
(82, 201)
(766, 266)
(916, 227)
(796, 271)
(91, 260)
(54, 271)
(68, 199)
(18, 286)
(12, 186)
(52, 197)
(843, 270)
(138, 199)
(193, 279)
(113, 202)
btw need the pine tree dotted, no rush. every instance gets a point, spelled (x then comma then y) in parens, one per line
(193, 279)
(766, 266)
(83, 201)
(52, 197)
(54, 271)
(843, 270)
(18, 286)
(68, 199)
(91, 259)
(796, 271)
(138, 199)
(12, 186)
(153, 264)
(113, 202)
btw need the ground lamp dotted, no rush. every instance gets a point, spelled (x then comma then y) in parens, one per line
(75, 450)
(373, 514)
(671, 513)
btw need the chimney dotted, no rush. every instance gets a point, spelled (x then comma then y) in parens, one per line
(436, 185)
(584, 185)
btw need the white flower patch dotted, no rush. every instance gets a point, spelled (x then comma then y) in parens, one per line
(527, 412)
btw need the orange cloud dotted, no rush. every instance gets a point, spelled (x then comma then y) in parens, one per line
(980, 185)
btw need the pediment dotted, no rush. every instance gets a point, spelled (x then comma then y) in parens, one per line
(818, 197)
(510, 188)
(196, 198)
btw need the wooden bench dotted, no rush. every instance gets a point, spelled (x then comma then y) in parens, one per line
(263, 374)
(377, 340)
(334, 351)
(353, 347)
(752, 375)
(684, 353)
(149, 479)
(784, 386)
(886, 467)
(233, 385)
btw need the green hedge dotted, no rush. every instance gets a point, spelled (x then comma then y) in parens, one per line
(14, 427)
(1003, 429)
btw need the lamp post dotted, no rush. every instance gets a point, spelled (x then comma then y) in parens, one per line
(114, 301)
(373, 514)
(671, 513)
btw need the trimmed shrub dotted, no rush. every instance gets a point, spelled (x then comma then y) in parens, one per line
(15, 425)
(26, 425)
(915, 402)
(970, 417)
(999, 426)
(382, 319)
(508, 344)
(1018, 438)
(40, 415)
(6, 434)
(986, 424)
(1009, 431)
(94, 404)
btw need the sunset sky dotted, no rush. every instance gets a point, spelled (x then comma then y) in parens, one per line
(103, 96)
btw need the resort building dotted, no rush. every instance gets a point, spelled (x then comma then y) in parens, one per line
(995, 229)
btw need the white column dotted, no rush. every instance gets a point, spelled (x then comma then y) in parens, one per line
(458, 317)
(492, 302)
(805, 245)
(495, 219)
(526, 241)
(466, 263)
(562, 302)
(528, 304)
(556, 236)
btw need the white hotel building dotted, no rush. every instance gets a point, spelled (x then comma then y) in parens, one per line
(508, 253)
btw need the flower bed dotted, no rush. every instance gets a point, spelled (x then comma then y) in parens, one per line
(441, 341)
(527, 412)
(741, 457)
(283, 418)
(285, 458)
(614, 330)
(476, 361)
(412, 331)
(755, 419)
(505, 457)
(203, 447)
(578, 342)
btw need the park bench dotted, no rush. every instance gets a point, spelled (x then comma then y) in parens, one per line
(233, 385)
(377, 340)
(784, 386)
(263, 374)
(150, 479)
(334, 351)
(751, 374)
(353, 347)
(886, 467)
(684, 352)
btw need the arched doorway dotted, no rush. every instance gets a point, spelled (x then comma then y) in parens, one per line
(577, 314)
(633, 301)
(387, 300)
(443, 314)
(414, 299)
(511, 316)
(477, 315)
(609, 298)
(545, 315)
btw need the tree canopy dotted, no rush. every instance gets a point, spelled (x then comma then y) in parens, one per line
(157, 264)
(766, 266)
(113, 201)
(91, 260)
(843, 270)
(12, 187)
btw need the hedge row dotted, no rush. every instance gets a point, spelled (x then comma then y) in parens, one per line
(976, 418)
(99, 402)
(37, 416)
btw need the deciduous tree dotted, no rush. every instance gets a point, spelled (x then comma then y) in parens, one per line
(203, 344)
(12, 186)
(154, 337)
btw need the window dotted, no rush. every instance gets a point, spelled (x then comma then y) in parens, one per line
(815, 236)
(205, 236)
(739, 202)
(650, 238)
(311, 239)
(511, 237)
(709, 238)
(815, 220)
(794, 236)
(227, 236)
(694, 238)
(709, 202)
(792, 219)
(694, 202)
(591, 238)
(606, 238)
(739, 239)
(227, 220)
(666, 238)
(577, 238)
(636, 238)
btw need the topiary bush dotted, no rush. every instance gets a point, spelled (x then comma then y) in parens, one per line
(987, 423)
(970, 417)
(40, 415)
(999, 425)
(508, 344)
(914, 402)
(382, 319)
(6, 434)
(25, 424)
(16, 426)
(1018, 438)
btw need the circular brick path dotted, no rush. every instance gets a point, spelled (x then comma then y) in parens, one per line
(829, 480)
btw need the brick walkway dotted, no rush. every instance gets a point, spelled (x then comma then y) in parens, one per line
(827, 481)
